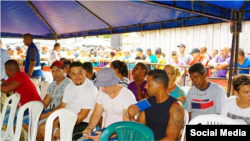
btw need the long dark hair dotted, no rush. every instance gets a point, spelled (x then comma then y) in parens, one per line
(121, 66)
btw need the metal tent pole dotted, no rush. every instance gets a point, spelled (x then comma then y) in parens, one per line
(236, 54)
(231, 65)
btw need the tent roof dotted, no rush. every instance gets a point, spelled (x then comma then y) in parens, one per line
(65, 19)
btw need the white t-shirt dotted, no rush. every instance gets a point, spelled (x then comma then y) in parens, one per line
(53, 56)
(230, 109)
(208, 101)
(80, 97)
(113, 108)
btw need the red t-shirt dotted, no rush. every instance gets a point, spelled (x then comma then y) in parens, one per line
(27, 89)
(200, 60)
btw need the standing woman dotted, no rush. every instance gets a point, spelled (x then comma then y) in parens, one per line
(174, 89)
(121, 71)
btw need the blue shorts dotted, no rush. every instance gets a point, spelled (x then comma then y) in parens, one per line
(26, 118)
(6, 118)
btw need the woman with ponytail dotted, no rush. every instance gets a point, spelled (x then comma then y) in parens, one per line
(121, 71)
(174, 89)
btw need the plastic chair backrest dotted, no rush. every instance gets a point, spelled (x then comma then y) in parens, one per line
(35, 81)
(48, 76)
(128, 130)
(212, 119)
(44, 86)
(35, 110)
(186, 89)
(67, 118)
(9, 134)
(186, 119)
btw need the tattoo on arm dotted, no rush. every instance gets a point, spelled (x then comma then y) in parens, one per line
(177, 119)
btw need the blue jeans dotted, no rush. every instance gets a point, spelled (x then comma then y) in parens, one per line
(26, 118)
(6, 118)
(93, 134)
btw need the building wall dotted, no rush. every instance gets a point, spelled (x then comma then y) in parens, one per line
(213, 36)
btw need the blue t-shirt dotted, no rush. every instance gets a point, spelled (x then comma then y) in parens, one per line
(246, 64)
(153, 58)
(178, 92)
(96, 64)
(129, 65)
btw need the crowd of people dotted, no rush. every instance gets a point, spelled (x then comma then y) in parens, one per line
(107, 96)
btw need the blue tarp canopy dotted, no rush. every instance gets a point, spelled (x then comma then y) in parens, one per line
(65, 19)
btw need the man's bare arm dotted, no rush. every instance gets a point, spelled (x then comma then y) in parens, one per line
(212, 62)
(95, 117)
(31, 67)
(46, 101)
(8, 87)
(175, 122)
(82, 115)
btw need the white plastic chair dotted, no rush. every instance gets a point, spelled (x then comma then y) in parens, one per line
(35, 81)
(35, 110)
(48, 77)
(9, 133)
(213, 119)
(44, 86)
(186, 119)
(67, 120)
(186, 89)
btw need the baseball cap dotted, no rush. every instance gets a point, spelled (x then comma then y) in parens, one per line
(181, 44)
(194, 50)
(57, 63)
(139, 49)
(112, 52)
(18, 47)
(106, 77)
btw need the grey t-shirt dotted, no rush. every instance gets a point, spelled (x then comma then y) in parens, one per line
(208, 101)
(56, 92)
(186, 58)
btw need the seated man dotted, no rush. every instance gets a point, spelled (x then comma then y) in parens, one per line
(113, 99)
(199, 58)
(90, 74)
(138, 85)
(79, 96)
(220, 62)
(165, 117)
(204, 97)
(18, 82)
(56, 89)
(238, 107)
(54, 94)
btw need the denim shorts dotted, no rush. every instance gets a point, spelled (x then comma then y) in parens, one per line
(6, 118)
(26, 118)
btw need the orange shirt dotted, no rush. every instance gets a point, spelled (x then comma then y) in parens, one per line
(200, 60)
